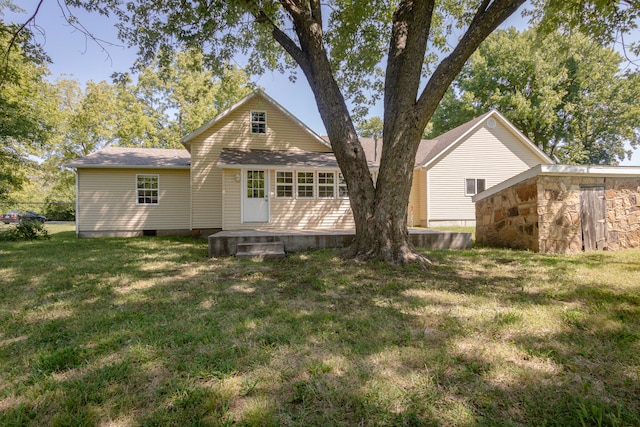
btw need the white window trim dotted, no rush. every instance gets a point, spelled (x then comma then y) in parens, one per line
(293, 184)
(334, 185)
(313, 185)
(137, 189)
(475, 186)
(251, 122)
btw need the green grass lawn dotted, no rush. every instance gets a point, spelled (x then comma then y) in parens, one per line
(149, 331)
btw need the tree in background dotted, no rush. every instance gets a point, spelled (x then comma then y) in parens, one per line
(181, 94)
(24, 123)
(564, 92)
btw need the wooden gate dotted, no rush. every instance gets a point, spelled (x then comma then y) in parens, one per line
(593, 218)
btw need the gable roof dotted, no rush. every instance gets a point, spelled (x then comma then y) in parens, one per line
(431, 150)
(186, 140)
(139, 158)
(442, 144)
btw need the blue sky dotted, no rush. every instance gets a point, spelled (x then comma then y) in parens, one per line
(73, 54)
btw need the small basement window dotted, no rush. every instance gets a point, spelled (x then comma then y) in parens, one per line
(147, 188)
(259, 122)
(474, 186)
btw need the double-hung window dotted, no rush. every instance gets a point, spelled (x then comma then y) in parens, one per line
(284, 184)
(326, 184)
(305, 183)
(473, 186)
(147, 189)
(259, 122)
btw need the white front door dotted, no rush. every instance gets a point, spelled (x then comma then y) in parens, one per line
(255, 205)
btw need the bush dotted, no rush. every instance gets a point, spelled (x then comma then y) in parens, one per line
(60, 211)
(26, 230)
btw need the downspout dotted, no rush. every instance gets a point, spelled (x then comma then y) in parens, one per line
(75, 172)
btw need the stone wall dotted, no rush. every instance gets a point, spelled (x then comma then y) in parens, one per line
(543, 214)
(509, 218)
(623, 213)
(559, 212)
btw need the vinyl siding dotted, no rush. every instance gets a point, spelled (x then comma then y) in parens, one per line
(107, 201)
(493, 154)
(418, 200)
(328, 214)
(233, 131)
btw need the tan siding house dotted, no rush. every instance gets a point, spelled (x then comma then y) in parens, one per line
(130, 199)
(256, 166)
(486, 154)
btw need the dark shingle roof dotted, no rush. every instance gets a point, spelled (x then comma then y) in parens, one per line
(234, 158)
(114, 157)
(428, 149)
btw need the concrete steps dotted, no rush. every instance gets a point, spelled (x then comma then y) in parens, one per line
(261, 250)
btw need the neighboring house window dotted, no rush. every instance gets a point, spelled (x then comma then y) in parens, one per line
(147, 189)
(258, 122)
(284, 184)
(474, 186)
(342, 187)
(305, 184)
(326, 184)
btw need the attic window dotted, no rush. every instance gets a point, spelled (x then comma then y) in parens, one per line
(259, 122)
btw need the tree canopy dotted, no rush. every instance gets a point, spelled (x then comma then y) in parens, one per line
(24, 105)
(566, 93)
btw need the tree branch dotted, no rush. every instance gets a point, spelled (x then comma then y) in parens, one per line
(485, 21)
(411, 27)
(14, 39)
(280, 36)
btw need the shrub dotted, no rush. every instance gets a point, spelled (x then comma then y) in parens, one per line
(26, 230)
(60, 211)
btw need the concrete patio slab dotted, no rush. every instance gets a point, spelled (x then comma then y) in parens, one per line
(224, 243)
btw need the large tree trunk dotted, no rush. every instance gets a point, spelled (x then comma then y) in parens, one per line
(380, 211)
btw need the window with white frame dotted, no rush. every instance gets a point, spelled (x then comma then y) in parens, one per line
(305, 184)
(326, 184)
(284, 184)
(474, 186)
(342, 187)
(147, 189)
(258, 122)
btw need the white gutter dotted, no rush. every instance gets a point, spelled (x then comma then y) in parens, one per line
(103, 166)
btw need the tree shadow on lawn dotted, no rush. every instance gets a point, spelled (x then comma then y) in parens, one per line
(155, 334)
